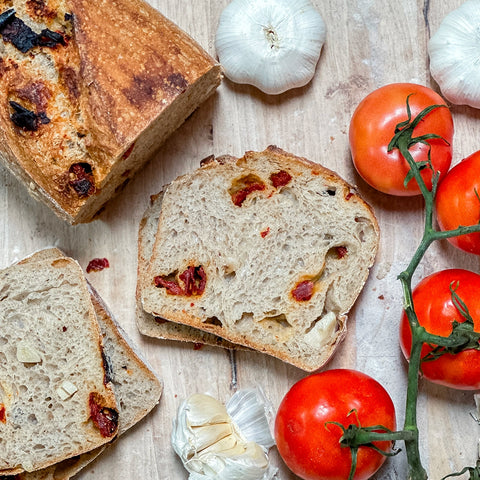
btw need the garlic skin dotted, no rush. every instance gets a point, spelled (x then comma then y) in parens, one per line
(454, 52)
(217, 442)
(271, 44)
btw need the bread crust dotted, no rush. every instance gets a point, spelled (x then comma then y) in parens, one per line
(126, 357)
(158, 301)
(121, 81)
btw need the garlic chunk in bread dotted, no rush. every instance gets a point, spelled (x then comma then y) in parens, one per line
(269, 251)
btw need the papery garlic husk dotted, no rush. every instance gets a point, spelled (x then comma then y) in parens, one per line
(217, 442)
(272, 44)
(454, 52)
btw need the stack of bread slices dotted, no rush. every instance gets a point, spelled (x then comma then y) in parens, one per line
(267, 252)
(70, 381)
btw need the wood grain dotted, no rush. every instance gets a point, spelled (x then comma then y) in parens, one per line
(369, 43)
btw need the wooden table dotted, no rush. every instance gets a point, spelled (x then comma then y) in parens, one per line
(369, 44)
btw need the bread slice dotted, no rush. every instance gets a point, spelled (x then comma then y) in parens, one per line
(88, 92)
(55, 394)
(147, 323)
(137, 388)
(269, 251)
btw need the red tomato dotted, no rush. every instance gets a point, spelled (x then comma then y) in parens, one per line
(373, 126)
(309, 446)
(457, 202)
(436, 312)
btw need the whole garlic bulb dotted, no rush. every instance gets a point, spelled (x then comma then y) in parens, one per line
(271, 44)
(454, 52)
(217, 442)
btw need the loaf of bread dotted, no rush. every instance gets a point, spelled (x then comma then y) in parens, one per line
(56, 398)
(269, 251)
(137, 388)
(88, 92)
(147, 323)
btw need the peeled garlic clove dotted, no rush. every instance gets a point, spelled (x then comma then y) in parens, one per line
(271, 44)
(205, 410)
(454, 52)
(212, 445)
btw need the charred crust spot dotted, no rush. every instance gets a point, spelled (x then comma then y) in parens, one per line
(81, 179)
(26, 119)
(107, 368)
(280, 179)
(104, 418)
(6, 17)
(145, 87)
(15, 31)
(191, 282)
(242, 187)
(175, 82)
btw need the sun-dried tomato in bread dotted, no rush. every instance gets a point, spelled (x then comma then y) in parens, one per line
(104, 418)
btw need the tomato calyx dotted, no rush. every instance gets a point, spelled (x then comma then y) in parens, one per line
(463, 336)
(404, 140)
(356, 436)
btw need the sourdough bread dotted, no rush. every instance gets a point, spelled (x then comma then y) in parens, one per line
(137, 388)
(88, 92)
(147, 323)
(55, 394)
(269, 251)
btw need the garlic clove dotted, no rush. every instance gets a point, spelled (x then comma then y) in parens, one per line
(203, 409)
(208, 435)
(213, 446)
(454, 52)
(273, 44)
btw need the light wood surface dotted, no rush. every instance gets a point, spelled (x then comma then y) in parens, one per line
(369, 43)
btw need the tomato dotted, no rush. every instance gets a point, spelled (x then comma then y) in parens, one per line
(457, 202)
(309, 445)
(373, 126)
(436, 312)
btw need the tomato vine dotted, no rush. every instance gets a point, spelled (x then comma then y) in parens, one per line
(463, 337)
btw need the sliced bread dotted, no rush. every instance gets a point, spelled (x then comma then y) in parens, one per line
(88, 93)
(152, 325)
(137, 388)
(56, 398)
(269, 251)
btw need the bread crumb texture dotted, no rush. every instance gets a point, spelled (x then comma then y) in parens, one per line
(269, 250)
(50, 367)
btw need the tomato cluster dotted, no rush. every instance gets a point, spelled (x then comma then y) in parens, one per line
(312, 418)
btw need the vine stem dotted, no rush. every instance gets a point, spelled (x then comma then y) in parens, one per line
(357, 436)
(416, 471)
